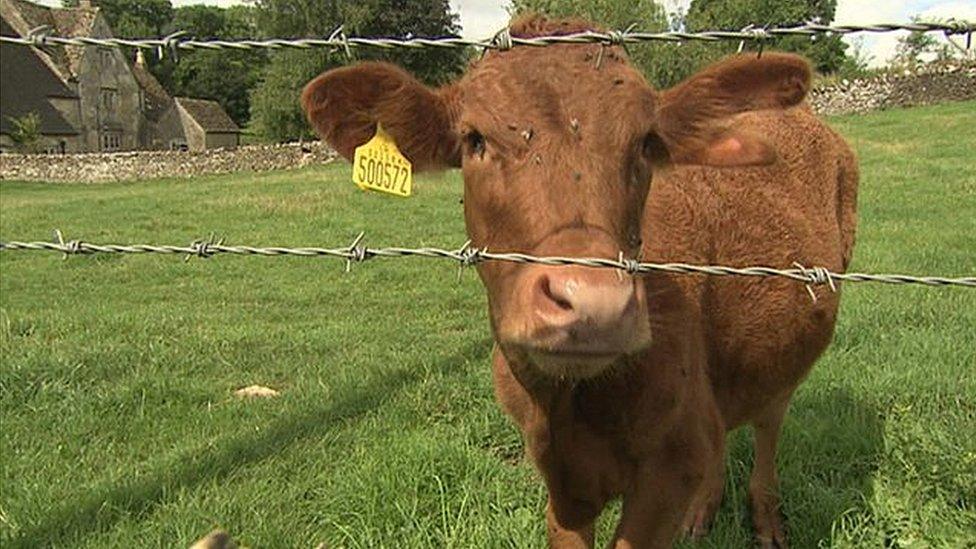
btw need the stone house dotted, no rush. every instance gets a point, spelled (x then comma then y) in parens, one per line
(182, 123)
(206, 125)
(112, 103)
(30, 87)
(108, 95)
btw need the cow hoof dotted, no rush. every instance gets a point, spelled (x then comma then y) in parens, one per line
(699, 519)
(768, 524)
(772, 543)
(697, 525)
(701, 514)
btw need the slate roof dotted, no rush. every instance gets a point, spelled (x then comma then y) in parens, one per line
(73, 22)
(209, 114)
(26, 85)
(157, 99)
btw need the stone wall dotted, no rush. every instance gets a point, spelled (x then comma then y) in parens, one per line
(930, 85)
(127, 166)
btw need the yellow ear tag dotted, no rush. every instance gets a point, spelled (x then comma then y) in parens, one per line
(379, 165)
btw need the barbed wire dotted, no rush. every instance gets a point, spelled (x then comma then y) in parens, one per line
(41, 37)
(467, 255)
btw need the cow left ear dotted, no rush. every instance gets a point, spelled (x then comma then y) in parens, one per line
(345, 105)
(695, 119)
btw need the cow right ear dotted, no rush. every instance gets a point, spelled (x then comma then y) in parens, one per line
(344, 106)
(695, 119)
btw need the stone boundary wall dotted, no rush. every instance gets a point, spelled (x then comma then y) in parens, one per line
(933, 84)
(140, 165)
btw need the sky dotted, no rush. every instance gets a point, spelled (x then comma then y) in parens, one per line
(483, 18)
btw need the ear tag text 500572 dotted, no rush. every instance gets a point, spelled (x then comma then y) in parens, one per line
(380, 166)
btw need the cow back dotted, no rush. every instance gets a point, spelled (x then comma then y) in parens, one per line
(762, 334)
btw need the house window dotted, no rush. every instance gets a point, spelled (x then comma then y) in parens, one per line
(110, 141)
(105, 57)
(109, 100)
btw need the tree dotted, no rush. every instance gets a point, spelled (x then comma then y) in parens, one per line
(663, 64)
(26, 133)
(276, 113)
(224, 76)
(133, 18)
(826, 52)
(611, 14)
(917, 48)
(856, 61)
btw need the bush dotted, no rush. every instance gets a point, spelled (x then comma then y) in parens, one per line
(26, 133)
(276, 114)
(275, 110)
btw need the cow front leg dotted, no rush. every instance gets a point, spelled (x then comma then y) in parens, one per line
(702, 512)
(767, 519)
(654, 510)
(569, 534)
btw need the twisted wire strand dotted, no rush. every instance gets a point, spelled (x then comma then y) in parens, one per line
(467, 255)
(178, 41)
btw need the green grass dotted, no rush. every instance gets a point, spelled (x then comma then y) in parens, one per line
(119, 427)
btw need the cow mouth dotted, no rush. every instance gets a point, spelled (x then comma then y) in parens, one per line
(570, 358)
(572, 354)
(573, 363)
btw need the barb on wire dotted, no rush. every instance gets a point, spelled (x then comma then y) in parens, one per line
(201, 248)
(500, 41)
(356, 252)
(629, 266)
(72, 247)
(759, 35)
(817, 275)
(615, 38)
(960, 28)
(340, 35)
(467, 255)
(170, 45)
(38, 36)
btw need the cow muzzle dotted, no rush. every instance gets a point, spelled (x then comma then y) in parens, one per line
(581, 320)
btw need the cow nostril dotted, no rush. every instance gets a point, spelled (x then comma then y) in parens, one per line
(545, 286)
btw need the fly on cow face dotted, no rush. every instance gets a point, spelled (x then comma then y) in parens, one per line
(557, 152)
(547, 134)
(555, 163)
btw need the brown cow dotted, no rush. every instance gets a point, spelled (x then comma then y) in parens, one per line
(623, 386)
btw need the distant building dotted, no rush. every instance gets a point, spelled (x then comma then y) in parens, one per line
(92, 98)
(206, 125)
(183, 123)
(156, 133)
(29, 86)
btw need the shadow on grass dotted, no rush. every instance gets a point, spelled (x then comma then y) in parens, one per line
(100, 509)
(829, 453)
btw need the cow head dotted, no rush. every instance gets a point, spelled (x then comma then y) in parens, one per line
(557, 147)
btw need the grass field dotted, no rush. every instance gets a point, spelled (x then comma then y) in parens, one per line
(119, 428)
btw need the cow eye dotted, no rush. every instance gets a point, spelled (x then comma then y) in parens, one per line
(474, 143)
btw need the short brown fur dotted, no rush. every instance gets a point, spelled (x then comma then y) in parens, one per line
(557, 145)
